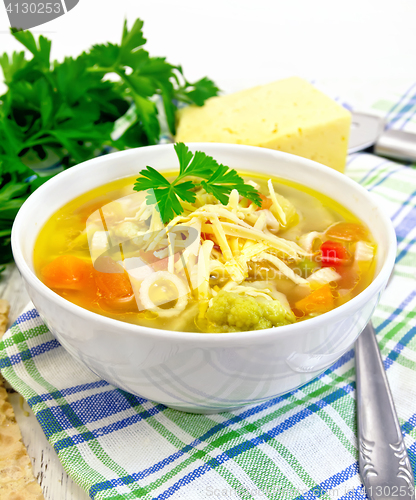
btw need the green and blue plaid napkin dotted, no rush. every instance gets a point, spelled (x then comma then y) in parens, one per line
(298, 446)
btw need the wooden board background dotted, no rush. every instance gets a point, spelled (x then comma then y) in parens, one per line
(55, 482)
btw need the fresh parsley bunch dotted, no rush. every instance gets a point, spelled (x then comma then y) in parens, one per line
(216, 179)
(68, 110)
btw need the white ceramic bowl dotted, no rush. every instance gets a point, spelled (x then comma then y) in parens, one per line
(200, 372)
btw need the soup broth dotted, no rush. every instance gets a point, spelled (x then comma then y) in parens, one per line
(218, 268)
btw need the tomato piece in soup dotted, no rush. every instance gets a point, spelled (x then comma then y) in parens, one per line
(209, 236)
(68, 272)
(334, 254)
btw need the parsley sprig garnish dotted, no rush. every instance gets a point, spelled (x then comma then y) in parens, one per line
(72, 110)
(216, 179)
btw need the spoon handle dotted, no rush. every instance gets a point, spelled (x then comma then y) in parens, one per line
(384, 464)
(397, 144)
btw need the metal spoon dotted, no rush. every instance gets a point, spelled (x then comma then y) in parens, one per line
(369, 130)
(384, 463)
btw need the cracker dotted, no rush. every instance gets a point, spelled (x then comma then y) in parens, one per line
(16, 477)
(4, 315)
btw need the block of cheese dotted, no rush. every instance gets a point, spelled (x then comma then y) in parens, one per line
(289, 115)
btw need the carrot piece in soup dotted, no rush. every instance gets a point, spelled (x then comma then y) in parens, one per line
(347, 231)
(111, 279)
(266, 202)
(67, 272)
(155, 263)
(85, 211)
(319, 301)
(148, 256)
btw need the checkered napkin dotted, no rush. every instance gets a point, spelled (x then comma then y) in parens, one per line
(298, 446)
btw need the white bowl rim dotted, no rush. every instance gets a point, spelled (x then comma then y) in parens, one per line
(195, 337)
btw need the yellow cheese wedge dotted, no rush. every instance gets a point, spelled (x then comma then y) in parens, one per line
(289, 115)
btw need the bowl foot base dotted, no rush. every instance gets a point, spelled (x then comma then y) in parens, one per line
(204, 411)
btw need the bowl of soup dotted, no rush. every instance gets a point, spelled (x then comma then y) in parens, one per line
(227, 304)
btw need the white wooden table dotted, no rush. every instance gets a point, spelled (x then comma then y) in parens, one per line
(360, 50)
(55, 482)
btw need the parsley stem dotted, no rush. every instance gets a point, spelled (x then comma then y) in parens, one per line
(49, 79)
(99, 69)
(39, 142)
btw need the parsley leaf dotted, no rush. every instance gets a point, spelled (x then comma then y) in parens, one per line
(196, 93)
(163, 193)
(223, 181)
(40, 51)
(166, 199)
(197, 164)
(131, 40)
(184, 156)
(219, 181)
